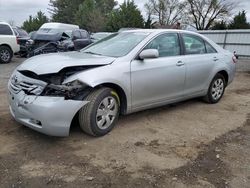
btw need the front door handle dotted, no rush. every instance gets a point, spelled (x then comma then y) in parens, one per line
(180, 63)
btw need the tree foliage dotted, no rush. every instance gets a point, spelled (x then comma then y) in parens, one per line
(127, 15)
(219, 25)
(148, 23)
(64, 10)
(204, 13)
(239, 21)
(34, 23)
(92, 15)
(167, 12)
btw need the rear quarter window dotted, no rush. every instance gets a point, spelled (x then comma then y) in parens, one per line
(5, 30)
(210, 49)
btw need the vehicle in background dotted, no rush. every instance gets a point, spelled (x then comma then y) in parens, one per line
(8, 43)
(57, 37)
(98, 36)
(22, 38)
(126, 29)
(126, 72)
(32, 33)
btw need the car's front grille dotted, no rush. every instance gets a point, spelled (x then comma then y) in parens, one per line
(24, 86)
(28, 85)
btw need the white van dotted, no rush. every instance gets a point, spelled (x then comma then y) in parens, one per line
(8, 43)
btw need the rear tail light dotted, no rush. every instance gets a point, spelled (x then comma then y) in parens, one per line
(17, 40)
(234, 59)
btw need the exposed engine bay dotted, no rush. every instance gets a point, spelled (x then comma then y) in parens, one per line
(51, 84)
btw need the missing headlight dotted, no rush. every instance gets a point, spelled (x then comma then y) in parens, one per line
(73, 90)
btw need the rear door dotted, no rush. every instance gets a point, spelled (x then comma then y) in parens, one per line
(200, 59)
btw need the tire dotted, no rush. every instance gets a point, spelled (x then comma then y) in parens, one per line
(6, 54)
(100, 115)
(216, 89)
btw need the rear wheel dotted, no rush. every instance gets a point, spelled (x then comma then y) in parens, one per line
(5, 54)
(216, 89)
(99, 116)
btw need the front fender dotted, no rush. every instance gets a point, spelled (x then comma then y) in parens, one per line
(118, 74)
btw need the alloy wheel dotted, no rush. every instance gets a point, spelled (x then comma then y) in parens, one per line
(106, 112)
(217, 89)
(5, 55)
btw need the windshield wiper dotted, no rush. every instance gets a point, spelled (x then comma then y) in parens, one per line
(93, 53)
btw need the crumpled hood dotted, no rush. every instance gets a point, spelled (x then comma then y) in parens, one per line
(53, 63)
(53, 37)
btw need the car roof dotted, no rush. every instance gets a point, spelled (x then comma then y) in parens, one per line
(160, 31)
(5, 23)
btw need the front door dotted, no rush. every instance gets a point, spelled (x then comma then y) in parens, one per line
(157, 80)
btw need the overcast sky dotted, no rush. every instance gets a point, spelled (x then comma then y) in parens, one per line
(19, 10)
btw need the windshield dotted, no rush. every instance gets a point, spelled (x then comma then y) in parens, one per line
(100, 35)
(116, 45)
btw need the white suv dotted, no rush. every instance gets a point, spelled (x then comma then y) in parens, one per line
(8, 43)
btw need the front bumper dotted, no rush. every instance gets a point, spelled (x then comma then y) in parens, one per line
(49, 115)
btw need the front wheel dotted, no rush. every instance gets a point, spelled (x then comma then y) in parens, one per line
(216, 89)
(99, 116)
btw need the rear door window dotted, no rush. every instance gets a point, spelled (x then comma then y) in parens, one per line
(5, 30)
(77, 34)
(193, 44)
(22, 33)
(84, 34)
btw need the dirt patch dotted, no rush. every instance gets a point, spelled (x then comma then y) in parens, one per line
(243, 91)
(65, 173)
(209, 166)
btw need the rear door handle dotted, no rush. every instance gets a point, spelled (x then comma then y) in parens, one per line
(215, 59)
(180, 63)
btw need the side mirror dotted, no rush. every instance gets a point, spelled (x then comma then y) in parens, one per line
(149, 53)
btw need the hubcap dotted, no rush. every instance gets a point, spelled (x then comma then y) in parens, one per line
(106, 112)
(217, 89)
(5, 55)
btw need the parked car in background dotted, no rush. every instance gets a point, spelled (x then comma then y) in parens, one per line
(124, 73)
(57, 37)
(80, 38)
(98, 36)
(127, 29)
(22, 38)
(8, 43)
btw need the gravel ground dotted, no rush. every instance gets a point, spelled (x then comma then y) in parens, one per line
(189, 144)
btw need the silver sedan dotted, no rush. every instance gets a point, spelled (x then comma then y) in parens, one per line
(123, 73)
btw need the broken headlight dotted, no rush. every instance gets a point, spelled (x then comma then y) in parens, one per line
(30, 42)
(68, 90)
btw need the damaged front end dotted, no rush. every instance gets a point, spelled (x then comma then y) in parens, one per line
(44, 103)
(43, 43)
(53, 84)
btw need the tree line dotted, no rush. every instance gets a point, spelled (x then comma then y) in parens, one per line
(107, 15)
